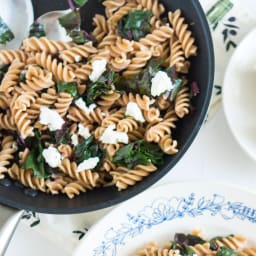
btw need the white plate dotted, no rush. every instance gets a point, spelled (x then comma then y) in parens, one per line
(18, 15)
(157, 214)
(239, 94)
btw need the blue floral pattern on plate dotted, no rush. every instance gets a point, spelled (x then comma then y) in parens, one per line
(164, 210)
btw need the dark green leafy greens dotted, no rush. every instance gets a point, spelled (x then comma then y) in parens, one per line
(71, 22)
(135, 25)
(182, 242)
(140, 83)
(3, 70)
(80, 3)
(22, 76)
(79, 36)
(87, 149)
(213, 243)
(181, 238)
(61, 136)
(6, 35)
(176, 87)
(224, 251)
(69, 87)
(35, 160)
(37, 30)
(140, 152)
(101, 87)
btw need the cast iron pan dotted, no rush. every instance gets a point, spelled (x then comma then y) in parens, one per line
(202, 71)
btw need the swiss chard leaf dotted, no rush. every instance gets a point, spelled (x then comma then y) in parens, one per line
(100, 87)
(182, 242)
(80, 3)
(140, 83)
(72, 24)
(194, 89)
(139, 152)
(224, 251)
(22, 76)
(71, 21)
(37, 30)
(135, 25)
(87, 149)
(79, 36)
(3, 70)
(192, 240)
(61, 136)
(6, 34)
(69, 87)
(213, 243)
(176, 87)
(35, 160)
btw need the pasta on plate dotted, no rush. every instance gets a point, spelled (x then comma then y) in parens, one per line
(75, 117)
(195, 244)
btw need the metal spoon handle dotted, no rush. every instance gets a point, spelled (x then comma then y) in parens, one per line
(8, 230)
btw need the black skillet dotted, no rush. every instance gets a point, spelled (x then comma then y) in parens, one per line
(202, 71)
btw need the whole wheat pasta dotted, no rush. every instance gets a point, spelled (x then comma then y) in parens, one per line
(184, 35)
(77, 53)
(43, 44)
(101, 27)
(11, 78)
(74, 116)
(8, 56)
(218, 245)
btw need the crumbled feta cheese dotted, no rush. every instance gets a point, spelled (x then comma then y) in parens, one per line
(88, 164)
(161, 83)
(15, 145)
(77, 58)
(83, 131)
(110, 136)
(51, 118)
(82, 105)
(74, 139)
(52, 157)
(98, 68)
(134, 111)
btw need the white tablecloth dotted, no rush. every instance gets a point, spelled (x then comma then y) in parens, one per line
(213, 156)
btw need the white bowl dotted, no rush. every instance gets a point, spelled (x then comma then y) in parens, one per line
(239, 94)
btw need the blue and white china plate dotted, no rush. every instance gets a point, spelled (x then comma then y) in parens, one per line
(158, 213)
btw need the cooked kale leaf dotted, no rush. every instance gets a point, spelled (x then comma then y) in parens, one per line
(80, 3)
(61, 136)
(139, 152)
(37, 30)
(71, 21)
(192, 240)
(6, 34)
(70, 88)
(176, 87)
(224, 251)
(140, 83)
(101, 87)
(87, 149)
(35, 160)
(80, 37)
(135, 25)
(3, 70)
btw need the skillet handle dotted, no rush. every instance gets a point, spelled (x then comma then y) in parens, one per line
(8, 230)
